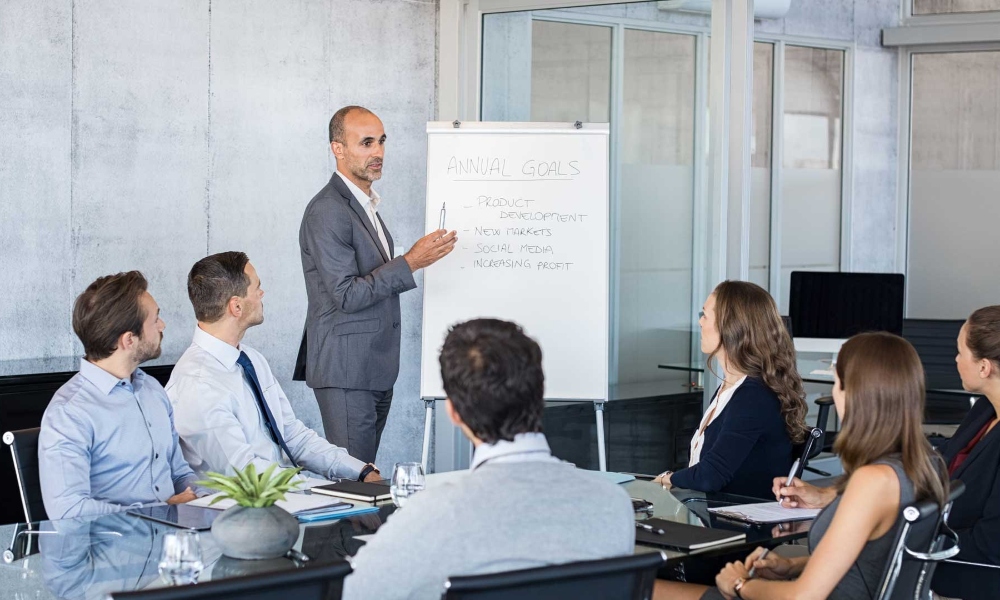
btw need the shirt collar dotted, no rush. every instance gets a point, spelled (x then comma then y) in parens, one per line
(524, 443)
(221, 351)
(104, 381)
(360, 196)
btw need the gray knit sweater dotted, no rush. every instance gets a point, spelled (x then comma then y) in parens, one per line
(500, 517)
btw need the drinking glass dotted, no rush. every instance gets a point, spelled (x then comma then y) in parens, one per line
(180, 561)
(407, 479)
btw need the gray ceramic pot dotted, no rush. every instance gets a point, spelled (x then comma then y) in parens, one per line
(255, 533)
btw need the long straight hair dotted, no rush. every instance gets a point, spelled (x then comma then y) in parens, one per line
(757, 343)
(883, 382)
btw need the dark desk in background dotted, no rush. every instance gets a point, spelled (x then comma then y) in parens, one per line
(26, 387)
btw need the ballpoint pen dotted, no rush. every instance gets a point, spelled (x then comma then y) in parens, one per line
(788, 480)
(649, 528)
(754, 568)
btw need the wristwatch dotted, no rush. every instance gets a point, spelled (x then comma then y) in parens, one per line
(365, 471)
(738, 585)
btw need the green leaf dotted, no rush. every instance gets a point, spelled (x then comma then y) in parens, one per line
(249, 489)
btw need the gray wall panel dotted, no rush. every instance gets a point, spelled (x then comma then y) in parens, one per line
(35, 98)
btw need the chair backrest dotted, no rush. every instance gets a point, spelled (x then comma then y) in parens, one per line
(621, 578)
(934, 341)
(310, 583)
(24, 450)
(919, 546)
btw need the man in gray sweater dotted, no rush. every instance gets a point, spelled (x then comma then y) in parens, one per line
(517, 507)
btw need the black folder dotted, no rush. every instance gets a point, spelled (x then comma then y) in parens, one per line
(683, 536)
(356, 490)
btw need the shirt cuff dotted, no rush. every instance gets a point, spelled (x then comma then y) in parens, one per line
(349, 468)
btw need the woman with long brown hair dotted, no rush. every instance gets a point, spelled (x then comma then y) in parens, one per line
(879, 394)
(758, 412)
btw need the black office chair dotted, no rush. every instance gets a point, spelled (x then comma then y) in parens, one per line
(310, 583)
(821, 436)
(934, 341)
(24, 450)
(923, 541)
(621, 578)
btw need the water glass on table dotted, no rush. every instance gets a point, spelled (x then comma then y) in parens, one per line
(180, 560)
(407, 479)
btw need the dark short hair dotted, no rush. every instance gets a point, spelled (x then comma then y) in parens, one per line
(108, 308)
(492, 374)
(337, 122)
(215, 279)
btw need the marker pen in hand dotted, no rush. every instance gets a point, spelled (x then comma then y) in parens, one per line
(791, 476)
(441, 220)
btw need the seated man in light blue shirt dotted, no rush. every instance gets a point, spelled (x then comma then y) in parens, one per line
(229, 409)
(518, 506)
(107, 438)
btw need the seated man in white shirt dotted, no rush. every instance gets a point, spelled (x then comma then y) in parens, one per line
(229, 409)
(518, 506)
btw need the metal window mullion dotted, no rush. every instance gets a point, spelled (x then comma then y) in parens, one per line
(777, 166)
(847, 163)
(615, 113)
(702, 195)
(905, 164)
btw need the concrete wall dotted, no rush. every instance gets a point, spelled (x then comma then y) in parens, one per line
(145, 135)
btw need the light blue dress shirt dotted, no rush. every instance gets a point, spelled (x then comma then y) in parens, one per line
(108, 443)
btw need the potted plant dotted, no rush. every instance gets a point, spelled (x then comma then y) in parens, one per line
(254, 528)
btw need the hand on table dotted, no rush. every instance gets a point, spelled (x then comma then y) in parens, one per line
(664, 480)
(186, 496)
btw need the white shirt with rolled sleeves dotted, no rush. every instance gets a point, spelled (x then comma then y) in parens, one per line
(221, 427)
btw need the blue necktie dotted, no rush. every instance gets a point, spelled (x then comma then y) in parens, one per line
(272, 426)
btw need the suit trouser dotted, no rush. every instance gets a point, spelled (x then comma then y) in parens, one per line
(354, 419)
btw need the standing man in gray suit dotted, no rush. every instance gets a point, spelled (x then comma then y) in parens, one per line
(350, 348)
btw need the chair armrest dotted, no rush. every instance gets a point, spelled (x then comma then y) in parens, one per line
(824, 401)
(966, 563)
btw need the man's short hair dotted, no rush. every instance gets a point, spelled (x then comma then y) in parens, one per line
(108, 308)
(214, 280)
(337, 122)
(492, 374)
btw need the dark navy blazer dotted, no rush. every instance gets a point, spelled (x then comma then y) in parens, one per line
(745, 447)
(975, 516)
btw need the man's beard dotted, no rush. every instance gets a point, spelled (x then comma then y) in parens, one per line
(149, 353)
(364, 174)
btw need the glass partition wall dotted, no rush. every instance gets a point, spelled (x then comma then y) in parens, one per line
(650, 82)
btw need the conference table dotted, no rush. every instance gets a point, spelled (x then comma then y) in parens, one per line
(90, 557)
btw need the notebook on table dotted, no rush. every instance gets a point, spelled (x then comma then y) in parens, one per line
(356, 490)
(295, 503)
(683, 536)
(765, 513)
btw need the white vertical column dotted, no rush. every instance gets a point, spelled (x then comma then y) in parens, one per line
(731, 75)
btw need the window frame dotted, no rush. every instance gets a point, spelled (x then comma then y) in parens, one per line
(906, 137)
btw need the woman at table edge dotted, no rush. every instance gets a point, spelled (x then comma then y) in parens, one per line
(878, 392)
(758, 412)
(972, 455)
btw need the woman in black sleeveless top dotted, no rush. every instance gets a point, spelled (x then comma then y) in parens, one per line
(879, 394)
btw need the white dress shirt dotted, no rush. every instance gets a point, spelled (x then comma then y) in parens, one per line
(221, 425)
(370, 204)
(714, 410)
(526, 447)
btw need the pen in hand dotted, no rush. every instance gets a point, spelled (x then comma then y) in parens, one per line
(753, 569)
(791, 476)
(649, 528)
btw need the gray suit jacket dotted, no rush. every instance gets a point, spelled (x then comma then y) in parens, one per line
(351, 337)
